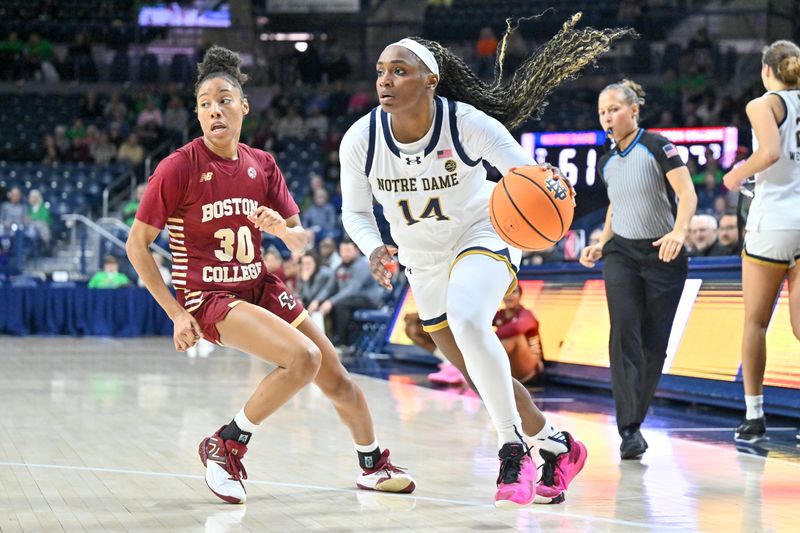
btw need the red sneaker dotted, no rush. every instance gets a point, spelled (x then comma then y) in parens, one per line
(386, 477)
(224, 469)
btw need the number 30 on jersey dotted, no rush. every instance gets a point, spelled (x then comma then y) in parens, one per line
(433, 209)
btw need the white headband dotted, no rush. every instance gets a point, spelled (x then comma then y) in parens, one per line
(421, 52)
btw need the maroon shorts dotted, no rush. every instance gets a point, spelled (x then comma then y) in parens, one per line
(210, 307)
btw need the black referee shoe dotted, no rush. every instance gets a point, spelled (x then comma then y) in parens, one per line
(751, 431)
(633, 444)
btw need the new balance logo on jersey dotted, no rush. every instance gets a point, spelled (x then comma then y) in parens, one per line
(417, 160)
(206, 176)
(287, 300)
(554, 186)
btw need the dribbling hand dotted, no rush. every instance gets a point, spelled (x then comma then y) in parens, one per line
(187, 331)
(590, 255)
(382, 265)
(268, 220)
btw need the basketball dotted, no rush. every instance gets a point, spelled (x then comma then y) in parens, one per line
(531, 207)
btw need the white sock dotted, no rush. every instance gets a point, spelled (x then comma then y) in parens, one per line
(368, 448)
(755, 406)
(549, 438)
(244, 423)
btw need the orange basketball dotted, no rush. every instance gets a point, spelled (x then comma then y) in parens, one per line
(531, 208)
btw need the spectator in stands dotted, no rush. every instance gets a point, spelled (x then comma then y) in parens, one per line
(115, 107)
(176, 117)
(103, 152)
(41, 59)
(336, 66)
(61, 140)
(150, 118)
(273, 260)
(80, 64)
(518, 330)
(290, 125)
(316, 124)
(710, 190)
(361, 99)
(78, 129)
(79, 151)
(702, 50)
(116, 135)
(314, 278)
(720, 206)
(485, 52)
(11, 57)
(338, 99)
(328, 254)
(352, 287)
(13, 212)
(709, 108)
(110, 277)
(729, 233)
(551, 255)
(131, 150)
(321, 216)
(703, 229)
(49, 150)
(291, 271)
(90, 107)
(130, 208)
(594, 236)
(666, 120)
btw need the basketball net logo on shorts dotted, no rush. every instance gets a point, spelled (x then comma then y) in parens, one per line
(554, 186)
(287, 300)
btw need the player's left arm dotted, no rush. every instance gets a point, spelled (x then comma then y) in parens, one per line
(764, 113)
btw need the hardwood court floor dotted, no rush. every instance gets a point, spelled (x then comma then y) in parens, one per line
(101, 435)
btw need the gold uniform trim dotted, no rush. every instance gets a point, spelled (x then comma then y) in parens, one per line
(770, 263)
(299, 320)
(436, 327)
(497, 257)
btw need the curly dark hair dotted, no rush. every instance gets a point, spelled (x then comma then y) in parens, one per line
(524, 96)
(219, 62)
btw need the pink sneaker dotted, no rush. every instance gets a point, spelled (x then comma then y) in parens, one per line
(516, 484)
(448, 374)
(558, 472)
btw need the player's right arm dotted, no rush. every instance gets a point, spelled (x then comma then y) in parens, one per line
(358, 217)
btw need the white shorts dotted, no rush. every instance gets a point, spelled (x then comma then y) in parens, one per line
(772, 247)
(429, 277)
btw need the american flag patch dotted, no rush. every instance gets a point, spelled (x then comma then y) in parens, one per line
(670, 150)
(441, 154)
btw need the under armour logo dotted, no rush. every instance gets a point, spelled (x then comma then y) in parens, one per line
(287, 300)
(554, 186)
(417, 160)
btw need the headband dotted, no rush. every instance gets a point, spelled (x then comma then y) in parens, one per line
(421, 52)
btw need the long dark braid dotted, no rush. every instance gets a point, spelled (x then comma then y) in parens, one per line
(524, 96)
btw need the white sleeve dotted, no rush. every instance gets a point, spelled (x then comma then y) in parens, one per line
(358, 217)
(484, 137)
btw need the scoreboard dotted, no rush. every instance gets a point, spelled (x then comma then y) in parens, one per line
(577, 153)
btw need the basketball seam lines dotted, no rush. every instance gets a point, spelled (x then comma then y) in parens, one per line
(500, 229)
(510, 199)
(558, 212)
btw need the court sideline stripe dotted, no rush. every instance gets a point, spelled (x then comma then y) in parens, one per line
(536, 509)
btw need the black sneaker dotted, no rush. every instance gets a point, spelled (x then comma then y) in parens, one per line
(751, 431)
(633, 444)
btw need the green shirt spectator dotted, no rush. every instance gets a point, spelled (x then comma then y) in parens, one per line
(110, 277)
(129, 210)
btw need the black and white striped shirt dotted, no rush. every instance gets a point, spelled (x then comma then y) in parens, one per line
(644, 203)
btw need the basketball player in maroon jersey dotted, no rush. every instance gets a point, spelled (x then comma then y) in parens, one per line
(215, 196)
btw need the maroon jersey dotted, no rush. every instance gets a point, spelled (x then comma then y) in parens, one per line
(521, 322)
(204, 200)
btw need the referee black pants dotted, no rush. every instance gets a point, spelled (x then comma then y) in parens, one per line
(643, 293)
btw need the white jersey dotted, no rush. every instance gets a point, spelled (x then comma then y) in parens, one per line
(433, 190)
(777, 192)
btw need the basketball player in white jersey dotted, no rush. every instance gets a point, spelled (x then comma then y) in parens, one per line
(421, 156)
(772, 235)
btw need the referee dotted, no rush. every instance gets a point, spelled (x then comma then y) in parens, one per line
(645, 264)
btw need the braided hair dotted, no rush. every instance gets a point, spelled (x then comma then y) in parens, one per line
(524, 96)
(219, 62)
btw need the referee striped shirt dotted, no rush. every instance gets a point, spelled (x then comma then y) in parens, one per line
(644, 203)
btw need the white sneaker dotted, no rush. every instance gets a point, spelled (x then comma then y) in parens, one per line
(386, 477)
(205, 348)
(224, 469)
